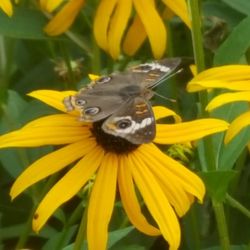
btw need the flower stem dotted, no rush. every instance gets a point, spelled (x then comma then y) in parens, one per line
(26, 231)
(194, 10)
(221, 224)
(234, 203)
(81, 235)
(73, 218)
(6, 51)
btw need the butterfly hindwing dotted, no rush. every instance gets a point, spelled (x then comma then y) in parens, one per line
(134, 121)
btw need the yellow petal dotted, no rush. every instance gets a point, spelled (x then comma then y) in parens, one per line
(135, 37)
(190, 182)
(64, 18)
(67, 187)
(101, 203)
(162, 112)
(210, 84)
(52, 98)
(172, 188)
(153, 25)
(193, 69)
(118, 24)
(93, 77)
(50, 164)
(50, 5)
(228, 98)
(235, 77)
(188, 131)
(64, 120)
(40, 136)
(101, 22)
(156, 202)
(130, 201)
(237, 125)
(6, 6)
(226, 73)
(180, 8)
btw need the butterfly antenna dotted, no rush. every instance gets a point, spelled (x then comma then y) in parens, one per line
(164, 97)
(168, 77)
(164, 79)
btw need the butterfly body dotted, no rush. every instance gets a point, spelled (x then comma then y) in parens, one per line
(123, 100)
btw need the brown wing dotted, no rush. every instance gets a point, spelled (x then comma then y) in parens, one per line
(134, 121)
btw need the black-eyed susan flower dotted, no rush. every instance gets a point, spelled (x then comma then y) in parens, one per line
(235, 78)
(166, 186)
(111, 23)
(6, 6)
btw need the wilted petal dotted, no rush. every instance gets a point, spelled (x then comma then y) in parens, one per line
(50, 164)
(228, 98)
(101, 22)
(67, 187)
(130, 201)
(50, 5)
(64, 18)
(153, 25)
(53, 98)
(156, 202)
(237, 125)
(179, 7)
(118, 24)
(6, 6)
(135, 37)
(101, 203)
(188, 131)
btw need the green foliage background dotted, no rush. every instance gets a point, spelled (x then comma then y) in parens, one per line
(27, 61)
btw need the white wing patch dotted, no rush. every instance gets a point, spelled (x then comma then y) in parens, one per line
(134, 125)
(158, 66)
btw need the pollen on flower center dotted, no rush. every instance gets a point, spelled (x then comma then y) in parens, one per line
(111, 143)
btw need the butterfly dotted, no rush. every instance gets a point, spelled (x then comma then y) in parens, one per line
(122, 100)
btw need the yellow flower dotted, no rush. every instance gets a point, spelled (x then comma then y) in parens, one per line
(6, 6)
(111, 21)
(231, 77)
(117, 164)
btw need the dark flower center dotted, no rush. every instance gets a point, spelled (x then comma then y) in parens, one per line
(111, 143)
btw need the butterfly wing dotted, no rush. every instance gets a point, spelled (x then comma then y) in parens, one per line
(134, 121)
(104, 96)
(148, 75)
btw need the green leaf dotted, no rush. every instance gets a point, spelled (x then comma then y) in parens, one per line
(223, 12)
(17, 112)
(11, 159)
(24, 24)
(234, 47)
(114, 237)
(60, 238)
(217, 183)
(226, 155)
(242, 6)
(237, 247)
